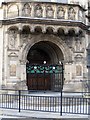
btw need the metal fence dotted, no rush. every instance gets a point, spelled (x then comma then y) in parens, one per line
(22, 100)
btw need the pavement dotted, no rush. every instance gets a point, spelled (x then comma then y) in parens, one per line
(12, 114)
(8, 114)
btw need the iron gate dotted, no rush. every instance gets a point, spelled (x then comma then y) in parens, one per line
(44, 77)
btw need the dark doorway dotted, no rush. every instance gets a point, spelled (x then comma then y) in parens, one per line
(41, 54)
(38, 81)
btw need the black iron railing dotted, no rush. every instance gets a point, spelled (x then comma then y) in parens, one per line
(47, 103)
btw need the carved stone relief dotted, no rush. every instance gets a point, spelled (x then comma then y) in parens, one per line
(78, 70)
(78, 58)
(49, 12)
(60, 12)
(12, 54)
(12, 70)
(12, 39)
(68, 41)
(13, 11)
(38, 11)
(71, 14)
(24, 37)
(26, 10)
(78, 45)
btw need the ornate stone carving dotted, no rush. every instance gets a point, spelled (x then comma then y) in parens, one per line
(78, 45)
(68, 41)
(78, 58)
(78, 70)
(60, 12)
(38, 11)
(24, 38)
(13, 11)
(12, 54)
(71, 13)
(12, 38)
(26, 10)
(49, 12)
(12, 70)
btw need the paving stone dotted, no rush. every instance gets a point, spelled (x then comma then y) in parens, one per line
(44, 119)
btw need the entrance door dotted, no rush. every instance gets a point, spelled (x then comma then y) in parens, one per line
(41, 75)
(38, 81)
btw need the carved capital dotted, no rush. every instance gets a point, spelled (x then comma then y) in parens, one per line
(23, 62)
(66, 31)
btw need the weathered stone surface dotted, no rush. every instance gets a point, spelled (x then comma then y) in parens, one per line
(55, 28)
(44, 119)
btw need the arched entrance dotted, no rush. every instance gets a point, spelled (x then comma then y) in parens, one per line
(41, 53)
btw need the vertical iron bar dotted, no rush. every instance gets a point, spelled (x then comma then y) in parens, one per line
(61, 88)
(19, 99)
(61, 104)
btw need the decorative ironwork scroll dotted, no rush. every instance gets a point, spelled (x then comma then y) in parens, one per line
(40, 69)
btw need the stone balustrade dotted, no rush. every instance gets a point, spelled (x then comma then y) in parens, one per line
(45, 10)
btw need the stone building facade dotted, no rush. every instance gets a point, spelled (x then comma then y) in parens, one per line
(36, 31)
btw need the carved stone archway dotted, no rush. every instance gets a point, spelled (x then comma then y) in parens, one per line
(50, 38)
(51, 43)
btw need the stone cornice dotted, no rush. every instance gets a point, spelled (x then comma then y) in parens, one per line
(45, 21)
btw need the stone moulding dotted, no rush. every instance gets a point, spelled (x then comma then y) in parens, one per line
(44, 10)
(45, 21)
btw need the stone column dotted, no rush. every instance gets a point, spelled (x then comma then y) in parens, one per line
(20, 10)
(68, 83)
(5, 60)
(66, 14)
(32, 11)
(23, 76)
(44, 10)
(1, 56)
(55, 11)
(77, 14)
(88, 66)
